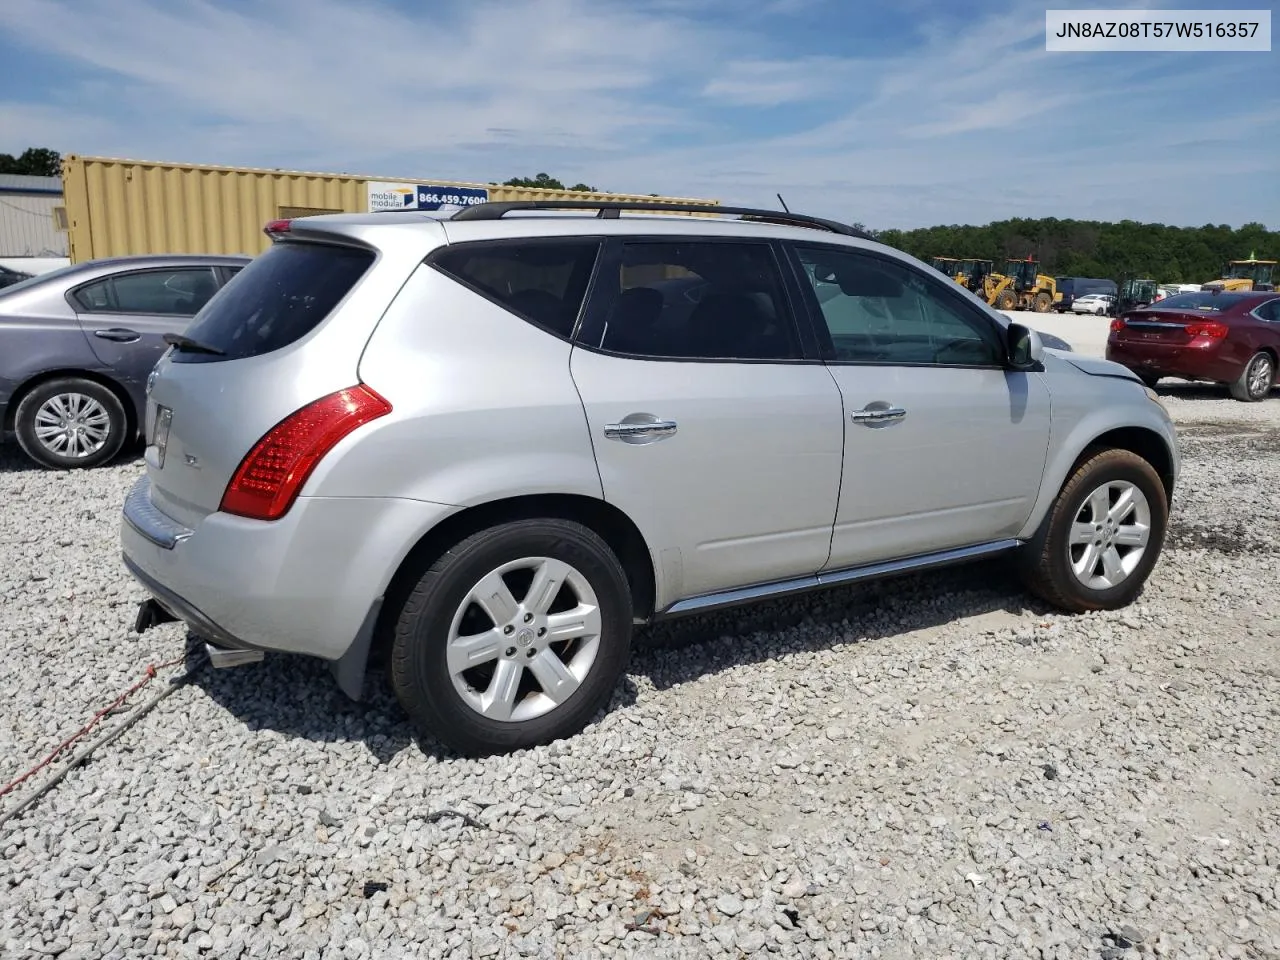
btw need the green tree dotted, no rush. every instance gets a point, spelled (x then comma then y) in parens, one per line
(1090, 248)
(545, 181)
(34, 162)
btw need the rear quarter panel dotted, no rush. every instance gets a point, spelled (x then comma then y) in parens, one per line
(32, 346)
(484, 407)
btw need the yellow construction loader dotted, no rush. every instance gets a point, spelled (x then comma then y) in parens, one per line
(1032, 290)
(1251, 274)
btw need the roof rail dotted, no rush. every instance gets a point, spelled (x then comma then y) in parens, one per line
(609, 210)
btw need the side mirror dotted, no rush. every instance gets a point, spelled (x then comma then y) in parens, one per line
(1024, 346)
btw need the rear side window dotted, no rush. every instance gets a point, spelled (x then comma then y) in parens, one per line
(542, 281)
(175, 293)
(277, 299)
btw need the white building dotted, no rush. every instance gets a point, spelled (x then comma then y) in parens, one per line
(29, 207)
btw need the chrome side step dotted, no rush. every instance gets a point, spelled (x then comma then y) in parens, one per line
(223, 657)
(832, 578)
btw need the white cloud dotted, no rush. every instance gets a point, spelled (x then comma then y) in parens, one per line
(960, 125)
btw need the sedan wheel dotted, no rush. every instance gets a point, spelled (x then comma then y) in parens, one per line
(1256, 381)
(70, 423)
(514, 637)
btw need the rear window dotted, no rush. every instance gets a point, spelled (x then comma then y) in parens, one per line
(1209, 302)
(543, 281)
(274, 301)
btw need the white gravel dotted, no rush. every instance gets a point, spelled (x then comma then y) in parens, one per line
(931, 767)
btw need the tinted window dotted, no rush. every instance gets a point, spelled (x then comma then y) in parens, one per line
(178, 293)
(882, 312)
(1270, 311)
(542, 281)
(1214, 302)
(703, 300)
(281, 296)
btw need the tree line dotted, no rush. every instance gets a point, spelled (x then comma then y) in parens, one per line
(1065, 248)
(1091, 248)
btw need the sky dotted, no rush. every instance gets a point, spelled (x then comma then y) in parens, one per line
(890, 113)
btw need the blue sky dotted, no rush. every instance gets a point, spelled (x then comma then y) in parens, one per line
(894, 113)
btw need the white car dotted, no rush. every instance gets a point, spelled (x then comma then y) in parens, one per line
(1095, 303)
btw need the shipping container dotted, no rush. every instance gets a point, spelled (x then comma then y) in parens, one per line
(120, 207)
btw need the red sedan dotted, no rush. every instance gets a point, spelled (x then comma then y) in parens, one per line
(1223, 337)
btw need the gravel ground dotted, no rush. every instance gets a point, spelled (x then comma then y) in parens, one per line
(929, 767)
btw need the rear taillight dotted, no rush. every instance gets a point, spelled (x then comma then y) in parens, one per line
(1209, 329)
(1117, 324)
(269, 477)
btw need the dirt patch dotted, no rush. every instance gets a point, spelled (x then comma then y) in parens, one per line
(1231, 538)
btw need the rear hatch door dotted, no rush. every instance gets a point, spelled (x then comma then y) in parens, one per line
(248, 360)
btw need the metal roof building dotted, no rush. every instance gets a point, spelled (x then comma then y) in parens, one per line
(30, 208)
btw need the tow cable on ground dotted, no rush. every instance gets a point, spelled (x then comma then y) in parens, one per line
(195, 659)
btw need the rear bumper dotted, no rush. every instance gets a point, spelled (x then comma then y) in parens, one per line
(1174, 360)
(309, 583)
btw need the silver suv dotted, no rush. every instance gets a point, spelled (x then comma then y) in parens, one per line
(495, 441)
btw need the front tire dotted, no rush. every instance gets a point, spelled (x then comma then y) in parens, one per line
(1100, 540)
(1006, 301)
(1257, 379)
(71, 423)
(513, 638)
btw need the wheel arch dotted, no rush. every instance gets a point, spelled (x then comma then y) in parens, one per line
(611, 524)
(132, 421)
(1144, 441)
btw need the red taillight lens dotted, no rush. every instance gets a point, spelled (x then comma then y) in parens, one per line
(1117, 324)
(1211, 329)
(277, 226)
(270, 476)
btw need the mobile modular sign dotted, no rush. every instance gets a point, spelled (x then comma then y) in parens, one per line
(422, 196)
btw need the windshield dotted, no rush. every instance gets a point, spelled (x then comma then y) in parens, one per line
(1209, 302)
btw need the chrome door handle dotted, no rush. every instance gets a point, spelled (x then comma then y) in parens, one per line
(640, 428)
(118, 334)
(877, 414)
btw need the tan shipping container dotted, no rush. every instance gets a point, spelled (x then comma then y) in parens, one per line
(118, 207)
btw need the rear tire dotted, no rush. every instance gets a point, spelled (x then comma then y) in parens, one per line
(71, 423)
(1102, 536)
(1043, 302)
(473, 659)
(1256, 380)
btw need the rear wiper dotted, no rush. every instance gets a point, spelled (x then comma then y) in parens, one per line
(191, 346)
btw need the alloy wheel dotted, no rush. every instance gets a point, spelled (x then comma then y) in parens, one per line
(1260, 375)
(1109, 536)
(513, 659)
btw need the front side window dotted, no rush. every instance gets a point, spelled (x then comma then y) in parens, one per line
(878, 311)
(177, 293)
(543, 281)
(706, 300)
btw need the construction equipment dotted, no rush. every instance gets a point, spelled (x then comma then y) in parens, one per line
(1032, 290)
(945, 265)
(1251, 274)
(1133, 294)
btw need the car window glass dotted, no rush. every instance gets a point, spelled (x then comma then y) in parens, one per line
(280, 297)
(95, 297)
(174, 292)
(542, 281)
(881, 312)
(700, 300)
(179, 292)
